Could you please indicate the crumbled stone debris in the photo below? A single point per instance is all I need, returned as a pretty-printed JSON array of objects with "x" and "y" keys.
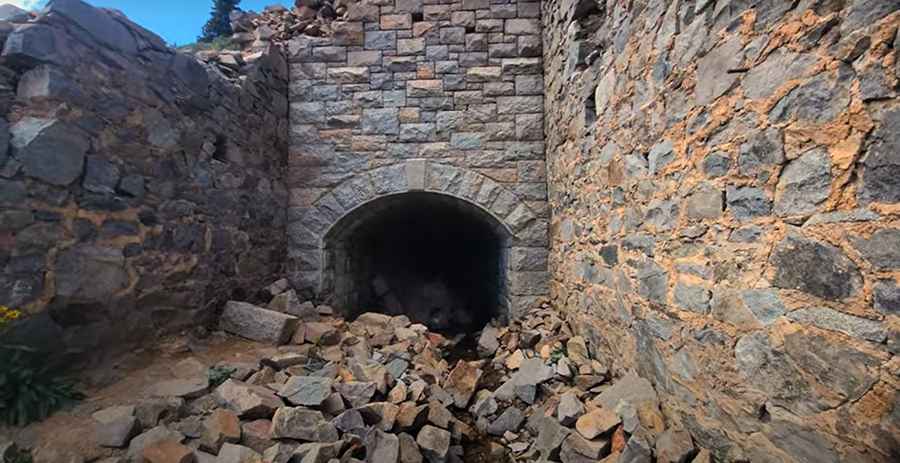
[{"x": 377, "y": 389}]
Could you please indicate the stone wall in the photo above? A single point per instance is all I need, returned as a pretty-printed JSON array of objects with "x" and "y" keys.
[
  {"x": 724, "y": 186},
  {"x": 419, "y": 96},
  {"x": 139, "y": 187}
]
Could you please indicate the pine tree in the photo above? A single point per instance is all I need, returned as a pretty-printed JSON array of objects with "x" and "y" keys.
[{"x": 219, "y": 24}]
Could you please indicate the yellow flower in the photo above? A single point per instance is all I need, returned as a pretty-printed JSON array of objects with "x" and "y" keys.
[{"x": 7, "y": 315}]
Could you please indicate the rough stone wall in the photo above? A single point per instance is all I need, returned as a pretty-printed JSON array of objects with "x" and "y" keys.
[
  {"x": 411, "y": 96},
  {"x": 725, "y": 181},
  {"x": 138, "y": 187}
]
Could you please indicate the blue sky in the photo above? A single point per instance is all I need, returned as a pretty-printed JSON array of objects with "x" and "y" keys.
[{"x": 176, "y": 21}]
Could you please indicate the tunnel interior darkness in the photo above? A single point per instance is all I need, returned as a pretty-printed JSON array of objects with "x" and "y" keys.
[{"x": 437, "y": 259}]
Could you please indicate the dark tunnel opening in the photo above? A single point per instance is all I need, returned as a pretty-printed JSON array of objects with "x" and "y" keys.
[{"x": 432, "y": 257}]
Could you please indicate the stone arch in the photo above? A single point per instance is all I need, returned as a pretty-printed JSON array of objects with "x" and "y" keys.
[{"x": 523, "y": 232}]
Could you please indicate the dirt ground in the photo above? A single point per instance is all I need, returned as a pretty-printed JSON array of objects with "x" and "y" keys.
[{"x": 123, "y": 380}]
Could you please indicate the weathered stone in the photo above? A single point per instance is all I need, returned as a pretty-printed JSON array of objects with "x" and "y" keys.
[
  {"x": 653, "y": 282},
  {"x": 380, "y": 414},
  {"x": 882, "y": 249},
  {"x": 761, "y": 152},
  {"x": 462, "y": 383},
  {"x": 381, "y": 121},
  {"x": 747, "y": 202},
  {"x": 99, "y": 24},
  {"x": 168, "y": 452},
  {"x": 306, "y": 390},
  {"x": 717, "y": 164},
  {"x": 523, "y": 26},
  {"x": 674, "y": 446},
  {"x": 829, "y": 319},
  {"x": 804, "y": 184},
  {"x": 90, "y": 273},
  {"x": 190, "y": 388},
  {"x": 817, "y": 101},
  {"x": 101, "y": 176},
  {"x": 881, "y": 163},
  {"x": 409, "y": 449},
  {"x": 837, "y": 276},
  {"x": 692, "y": 297},
  {"x": 232, "y": 453},
  {"x": 434, "y": 443},
  {"x": 660, "y": 156},
  {"x": 356, "y": 393},
  {"x": 713, "y": 78},
  {"x": 247, "y": 400},
  {"x": 382, "y": 447},
  {"x": 577, "y": 449},
  {"x": 779, "y": 67},
  {"x": 256, "y": 323},
  {"x": 151, "y": 437},
  {"x": 597, "y": 422},
  {"x": 488, "y": 341},
  {"x": 887, "y": 297},
  {"x": 302, "y": 424},
  {"x": 49, "y": 150},
  {"x": 116, "y": 426},
  {"x": 706, "y": 202},
  {"x": 569, "y": 409},
  {"x": 438, "y": 414},
  {"x": 380, "y": 40},
  {"x": 508, "y": 421}
]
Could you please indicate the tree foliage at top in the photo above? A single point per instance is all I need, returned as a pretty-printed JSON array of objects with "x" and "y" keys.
[{"x": 219, "y": 24}]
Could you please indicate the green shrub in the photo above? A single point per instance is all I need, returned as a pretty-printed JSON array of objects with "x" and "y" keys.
[
  {"x": 31, "y": 387},
  {"x": 219, "y": 374},
  {"x": 18, "y": 456}
]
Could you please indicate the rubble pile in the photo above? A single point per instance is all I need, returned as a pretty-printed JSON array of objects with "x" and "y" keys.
[
  {"x": 253, "y": 33},
  {"x": 277, "y": 23},
  {"x": 382, "y": 389}
]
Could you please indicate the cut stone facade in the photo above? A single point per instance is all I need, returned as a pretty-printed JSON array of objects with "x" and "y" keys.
[
  {"x": 724, "y": 186},
  {"x": 443, "y": 98}
]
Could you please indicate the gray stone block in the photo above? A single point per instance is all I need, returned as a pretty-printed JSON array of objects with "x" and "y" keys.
[
  {"x": 836, "y": 276},
  {"x": 252, "y": 322},
  {"x": 49, "y": 150}
]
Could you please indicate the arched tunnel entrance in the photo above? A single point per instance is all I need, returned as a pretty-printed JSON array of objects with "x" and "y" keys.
[{"x": 436, "y": 258}]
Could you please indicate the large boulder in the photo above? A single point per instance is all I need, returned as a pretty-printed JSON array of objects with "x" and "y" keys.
[{"x": 99, "y": 24}]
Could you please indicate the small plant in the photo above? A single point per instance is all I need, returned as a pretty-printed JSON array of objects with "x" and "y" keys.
[
  {"x": 30, "y": 386},
  {"x": 557, "y": 354},
  {"x": 219, "y": 374},
  {"x": 18, "y": 456}
]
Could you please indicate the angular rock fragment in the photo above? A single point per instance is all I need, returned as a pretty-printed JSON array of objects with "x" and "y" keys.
[
  {"x": 247, "y": 400},
  {"x": 309, "y": 391},
  {"x": 434, "y": 443},
  {"x": 597, "y": 423}
]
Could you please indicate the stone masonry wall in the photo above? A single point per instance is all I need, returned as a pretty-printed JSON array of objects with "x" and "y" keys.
[
  {"x": 725, "y": 181},
  {"x": 138, "y": 187},
  {"x": 416, "y": 95}
]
